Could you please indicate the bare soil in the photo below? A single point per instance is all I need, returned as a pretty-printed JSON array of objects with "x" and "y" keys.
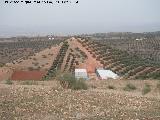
[{"x": 28, "y": 75}]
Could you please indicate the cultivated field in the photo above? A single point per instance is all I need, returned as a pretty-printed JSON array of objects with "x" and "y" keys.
[
  {"x": 144, "y": 45},
  {"x": 37, "y": 80},
  {"x": 14, "y": 48},
  {"x": 121, "y": 62}
]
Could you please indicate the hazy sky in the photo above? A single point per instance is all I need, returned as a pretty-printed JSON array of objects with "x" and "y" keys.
[{"x": 88, "y": 16}]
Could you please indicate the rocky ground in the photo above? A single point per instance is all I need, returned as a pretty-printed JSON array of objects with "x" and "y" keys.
[{"x": 48, "y": 101}]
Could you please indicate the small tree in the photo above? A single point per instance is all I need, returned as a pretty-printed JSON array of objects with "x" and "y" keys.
[
  {"x": 129, "y": 87},
  {"x": 9, "y": 82},
  {"x": 146, "y": 89},
  {"x": 67, "y": 80},
  {"x": 158, "y": 86},
  {"x": 111, "y": 87}
]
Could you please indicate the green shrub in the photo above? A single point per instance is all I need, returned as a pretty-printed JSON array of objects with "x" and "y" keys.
[
  {"x": 93, "y": 86},
  {"x": 111, "y": 87},
  {"x": 68, "y": 81},
  {"x": 30, "y": 68},
  {"x": 29, "y": 82},
  {"x": 141, "y": 77},
  {"x": 80, "y": 84},
  {"x": 45, "y": 78},
  {"x": 146, "y": 89},
  {"x": 44, "y": 56},
  {"x": 129, "y": 87},
  {"x": 9, "y": 82},
  {"x": 1, "y": 64},
  {"x": 158, "y": 86},
  {"x": 155, "y": 75}
]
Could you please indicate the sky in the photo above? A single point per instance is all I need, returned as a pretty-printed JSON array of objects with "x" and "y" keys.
[{"x": 87, "y": 16}]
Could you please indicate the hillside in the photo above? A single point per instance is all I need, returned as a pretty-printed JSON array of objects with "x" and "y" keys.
[
  {"x": 14, "y": 48},
  {"x": 86, "y": 54},
  {"x": 32, "y": 89}
]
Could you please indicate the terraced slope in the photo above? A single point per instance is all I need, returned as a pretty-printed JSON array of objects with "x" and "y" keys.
[
  {"x": 145, "y": 46},
  {"x": 78, "y": 53},
  {"x": 121, "y": 62},
  {"x": 13, "y": 50},
  {"x": 72, "y": 55}
]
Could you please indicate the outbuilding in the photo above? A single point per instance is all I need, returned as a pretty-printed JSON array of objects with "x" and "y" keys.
[
  {"x": 106, "y": 74},
  {"x": 81, "y": 73}
]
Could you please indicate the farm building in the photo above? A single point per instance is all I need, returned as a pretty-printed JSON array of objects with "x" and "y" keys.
[
  {"x": 105, "y": 74},
  {"x": 81, "y": 73}
]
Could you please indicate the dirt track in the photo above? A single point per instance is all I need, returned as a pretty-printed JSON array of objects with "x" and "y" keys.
[{"x": 90, "y": 63}]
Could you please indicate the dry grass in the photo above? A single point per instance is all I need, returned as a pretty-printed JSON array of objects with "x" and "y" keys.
[
  {"x": 48, "y": 100},
  {"x": 29, "y": 82}
]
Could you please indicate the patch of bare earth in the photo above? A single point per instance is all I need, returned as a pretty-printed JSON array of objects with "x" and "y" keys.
[{"x": 48, "y": 101}]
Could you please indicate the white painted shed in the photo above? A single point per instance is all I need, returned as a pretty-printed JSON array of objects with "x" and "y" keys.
[
  {"x": 105, "y": 74},
  {"x": 81, "y": 73}
]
